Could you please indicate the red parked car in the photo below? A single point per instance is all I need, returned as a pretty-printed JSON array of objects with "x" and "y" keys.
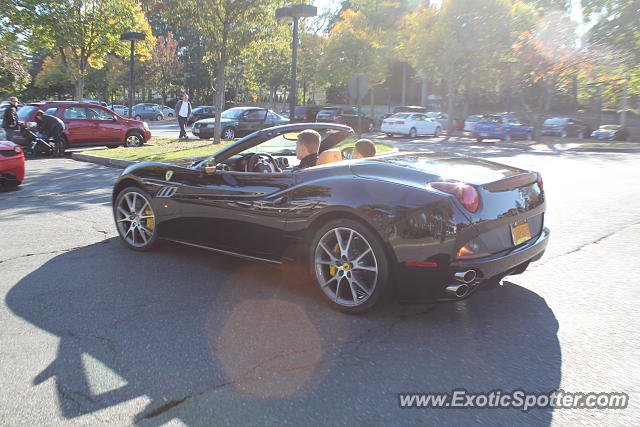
[
  {"x": 87, "y": 124},
  {"x": 11, "y": 164}
]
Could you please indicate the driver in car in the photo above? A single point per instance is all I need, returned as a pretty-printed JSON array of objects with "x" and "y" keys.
[{"x": 307, "y": 147}]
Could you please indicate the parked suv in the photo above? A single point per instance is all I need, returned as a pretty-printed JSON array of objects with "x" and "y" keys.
[
  {"x": 347, "y": 116},
  {"x": 564, "y": 127},
  {"x": 202, "y": 112},
  {"x": 87, "y": 125},
  {"x": 306, "y": 113},
  {"x": 147, "y": 111}
]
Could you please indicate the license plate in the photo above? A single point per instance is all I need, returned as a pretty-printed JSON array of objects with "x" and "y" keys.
[
  {"x": 520, "y": 232},
  {"x": 484, "y": 134}
]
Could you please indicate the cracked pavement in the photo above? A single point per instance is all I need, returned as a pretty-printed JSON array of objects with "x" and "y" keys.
[{"x": 95, "y": 334}]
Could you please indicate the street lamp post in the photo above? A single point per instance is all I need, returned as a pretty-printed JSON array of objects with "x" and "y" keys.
[
  {"x": 131, "y": 37},
  {"x": 295, "y": 12}
]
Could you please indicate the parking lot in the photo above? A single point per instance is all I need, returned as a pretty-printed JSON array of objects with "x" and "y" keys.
[{"x": 94, "y": 333}]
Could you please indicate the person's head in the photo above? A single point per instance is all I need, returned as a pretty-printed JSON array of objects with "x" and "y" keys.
[
  {"x": 363, "y": 148},
  {"x": 13, "y": 100},
  {"x": 308, "y": 143},
  {"x": 38, "y": 116},
  {"x": 185, "y": 97}
]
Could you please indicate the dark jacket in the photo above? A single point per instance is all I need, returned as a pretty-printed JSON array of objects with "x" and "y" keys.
[
  {"x": 309, "y": 161},
  {"x": 179, "y": 105},
  {"x": 10, "y": 117},
  {"x": 50, "y": 125}
]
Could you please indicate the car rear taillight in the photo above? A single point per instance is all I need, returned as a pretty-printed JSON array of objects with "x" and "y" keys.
[
  {"x": 17, "y": 150},
  {"x": 400, "y": 122},
  {"x": 466, "y": 194},
  {"x": 540, "y": 183},
  {"x": 336, "y": 117},
  {"x": 499, "y": 127},
  {"x": 305, "y": 117}
]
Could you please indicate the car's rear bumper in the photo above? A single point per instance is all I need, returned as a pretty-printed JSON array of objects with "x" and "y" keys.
[
  {"x": 506, "y": 262},
  {"x": 488, "y": 134},
  {"x": 393, "y": 129}
]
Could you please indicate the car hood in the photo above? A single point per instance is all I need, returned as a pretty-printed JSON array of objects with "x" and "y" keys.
[{"x": 438, "y": 166}]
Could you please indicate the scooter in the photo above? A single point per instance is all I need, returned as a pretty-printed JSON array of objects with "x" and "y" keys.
[{"x": 38, "y": 144}]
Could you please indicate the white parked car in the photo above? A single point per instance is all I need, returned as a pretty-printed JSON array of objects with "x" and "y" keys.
[
  {"x": 471, "y": 121},
  {"x": 168, "y": 111},
  {"x": 121, "y": 110},
  {"x": 439, "y": 116},
  {"x": 411, "y": 124}
]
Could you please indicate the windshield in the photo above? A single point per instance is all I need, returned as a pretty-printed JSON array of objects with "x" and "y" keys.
[
  {"x": 555, "y": 121},
  {"x": 400, "y": 116},
  {"x": 25, "y": 112},
  {"x": 277, "y": 147},
  {"x": 232, "y": 114}
]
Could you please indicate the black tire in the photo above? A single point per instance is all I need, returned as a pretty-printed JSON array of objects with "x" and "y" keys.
[
  {"x": 437, "y": 132},
  {"x": 580, "y": 134},
  {"x": 128, "y": 234},
  {"x": 133, "y": 140},
  {"x": 365, "y": 287},
  {"x": 170, "y": 115},
  {"x": 390, "y": 135},
  {"x": 138, "y": 117},
  {"x": 203, "y": 137},
  {"x": 112, "y": 146},
  {"x": 228, "y": 133},
  {"x": 507, "y": 137},
  {"x": 370, "y": 127},
  {"x": 563, "y": 134},
  {"x": 529, "y": 136},
  {"x": 479, "y": 140},
  {"x": 413, "y": 133},
  {"x": 158, "y": 117}
]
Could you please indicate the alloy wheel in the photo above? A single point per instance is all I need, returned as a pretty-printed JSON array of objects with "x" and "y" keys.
[
  {"x": 135, "y": 219},
  {"x": 228, "y": 134},
  {"x": 346, "y": 266},
  {"x": 133, "y": 140},
  {"x": 413, "y": 133}
]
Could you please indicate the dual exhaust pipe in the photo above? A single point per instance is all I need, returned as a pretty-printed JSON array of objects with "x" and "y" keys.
[{"x": 464, "y": 285}]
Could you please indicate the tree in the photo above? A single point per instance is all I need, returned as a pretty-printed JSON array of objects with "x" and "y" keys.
[
  {"x": 14, "y": 76},
  {"x": 269, "y": 63},
  {"x": 615, "y": 25},
  {"x": 228, "y": 28},
  {"x": 165, "y": 67},
  {"x": 53, "y": 77},
  {"x": 82, "y": 32},
  {"x": 353, "y": 48}
]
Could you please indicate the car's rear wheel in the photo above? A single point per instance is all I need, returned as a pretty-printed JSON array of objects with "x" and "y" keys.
[
  {"x": 135, "y": 219},
  {"x": 413, "y": 133},
  {"x": 390, "y": 135},
  {"x": 529, "y": 136},
  {"x": 133, "y": 140},
  {"x": 370, "y": 127},
  {"x": 580, "y": 134},
  {"x": 138, "y": 117},
  {"x": 479, "y": 140},
  {"x": 507, "y": 137},
  {"x": 563, "y": 134},
  {"x": 228, "y": 133},
  {"x": 158, "y": 117},
  {"x": 437, "y": 132},
  {"x": 350, "y": 265}
]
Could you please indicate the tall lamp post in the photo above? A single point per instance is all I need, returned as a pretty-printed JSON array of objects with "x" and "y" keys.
[
  {"x": 295, "y": 12},
  {"x": 132, "y": 37}
]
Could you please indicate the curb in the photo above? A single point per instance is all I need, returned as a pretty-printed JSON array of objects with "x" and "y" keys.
[
  {"x": 104, "y": 161},
  {"x": 604, "y": 150}
]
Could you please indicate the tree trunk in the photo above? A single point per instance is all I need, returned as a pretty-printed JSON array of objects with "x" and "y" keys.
[
  {"x": 219, "y": 100},
  {"x": 272, "y": 98},
  {"x": 451, "y": 98},
  {"x": 79, "y": 88},
  {"x": 424, "y": 100}
]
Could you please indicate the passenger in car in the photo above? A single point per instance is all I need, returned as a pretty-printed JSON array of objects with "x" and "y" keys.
[
  {"x": 307, "y": 147},
  {"x": 364, "y": 148}
]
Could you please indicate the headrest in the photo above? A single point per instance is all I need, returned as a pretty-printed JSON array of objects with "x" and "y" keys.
[{"x": 329, "y": 156}]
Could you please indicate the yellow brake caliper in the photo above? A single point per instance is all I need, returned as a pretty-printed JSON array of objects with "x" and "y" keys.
[
  {"x": 333, "y": 270},
  {"x": 150, "y": 222}
]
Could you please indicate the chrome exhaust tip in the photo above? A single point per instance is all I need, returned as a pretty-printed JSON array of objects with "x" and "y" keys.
[
  {"x": 457, "y": 291},
  {"x": 465, "y": 276}
]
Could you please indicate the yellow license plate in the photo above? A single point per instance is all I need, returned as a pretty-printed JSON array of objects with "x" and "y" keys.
[{"x": 520, "y": 232}]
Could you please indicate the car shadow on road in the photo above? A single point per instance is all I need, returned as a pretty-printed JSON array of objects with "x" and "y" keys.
[{"x": 208, "y": 339}]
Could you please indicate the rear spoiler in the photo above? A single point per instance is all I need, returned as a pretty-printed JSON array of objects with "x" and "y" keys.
[{"x": 512, "y": 182}]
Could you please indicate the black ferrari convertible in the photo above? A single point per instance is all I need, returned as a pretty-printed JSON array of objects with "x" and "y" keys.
[{"x": 453, "y": 222}]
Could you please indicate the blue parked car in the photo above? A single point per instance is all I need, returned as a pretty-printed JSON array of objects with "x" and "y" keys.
[{"x": 503, "y": 127}]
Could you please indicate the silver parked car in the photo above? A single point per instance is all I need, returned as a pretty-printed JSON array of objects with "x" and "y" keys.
[
  {"x": 119, "y": 109},
  {"x": 147, "y": 111}
]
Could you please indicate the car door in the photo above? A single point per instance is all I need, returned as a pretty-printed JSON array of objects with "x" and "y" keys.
[
  {"x": 109, "y": 127},
  {"x": 516, "y": 129},
  {"x": 78, "y": 128},
  {"x": 241, "y": 212},
  {"x": 251, "y": 121}
]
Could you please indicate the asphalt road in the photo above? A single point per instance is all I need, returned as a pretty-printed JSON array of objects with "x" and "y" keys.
[{"x": 95, "y": 334}]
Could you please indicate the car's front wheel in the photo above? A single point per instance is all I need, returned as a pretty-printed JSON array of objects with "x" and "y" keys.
[
  {"x": 138, "y": 117},
  {"x": 228, "y": 133},
  {"x": 133, "y": 140},
  {"x": 413, "y": 133},
  {"x": 135, "y": 219},
  {"x": 349, "y": 265},
  {"x": 437, "y": 132},
  {"x": 158, "y": 117}
]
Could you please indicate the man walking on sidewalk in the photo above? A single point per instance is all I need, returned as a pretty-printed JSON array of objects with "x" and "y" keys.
[{"x": 183, "y": 109}]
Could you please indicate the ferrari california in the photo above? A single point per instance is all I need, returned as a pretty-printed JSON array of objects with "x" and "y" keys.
[{"x": 453, "y": 222}]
